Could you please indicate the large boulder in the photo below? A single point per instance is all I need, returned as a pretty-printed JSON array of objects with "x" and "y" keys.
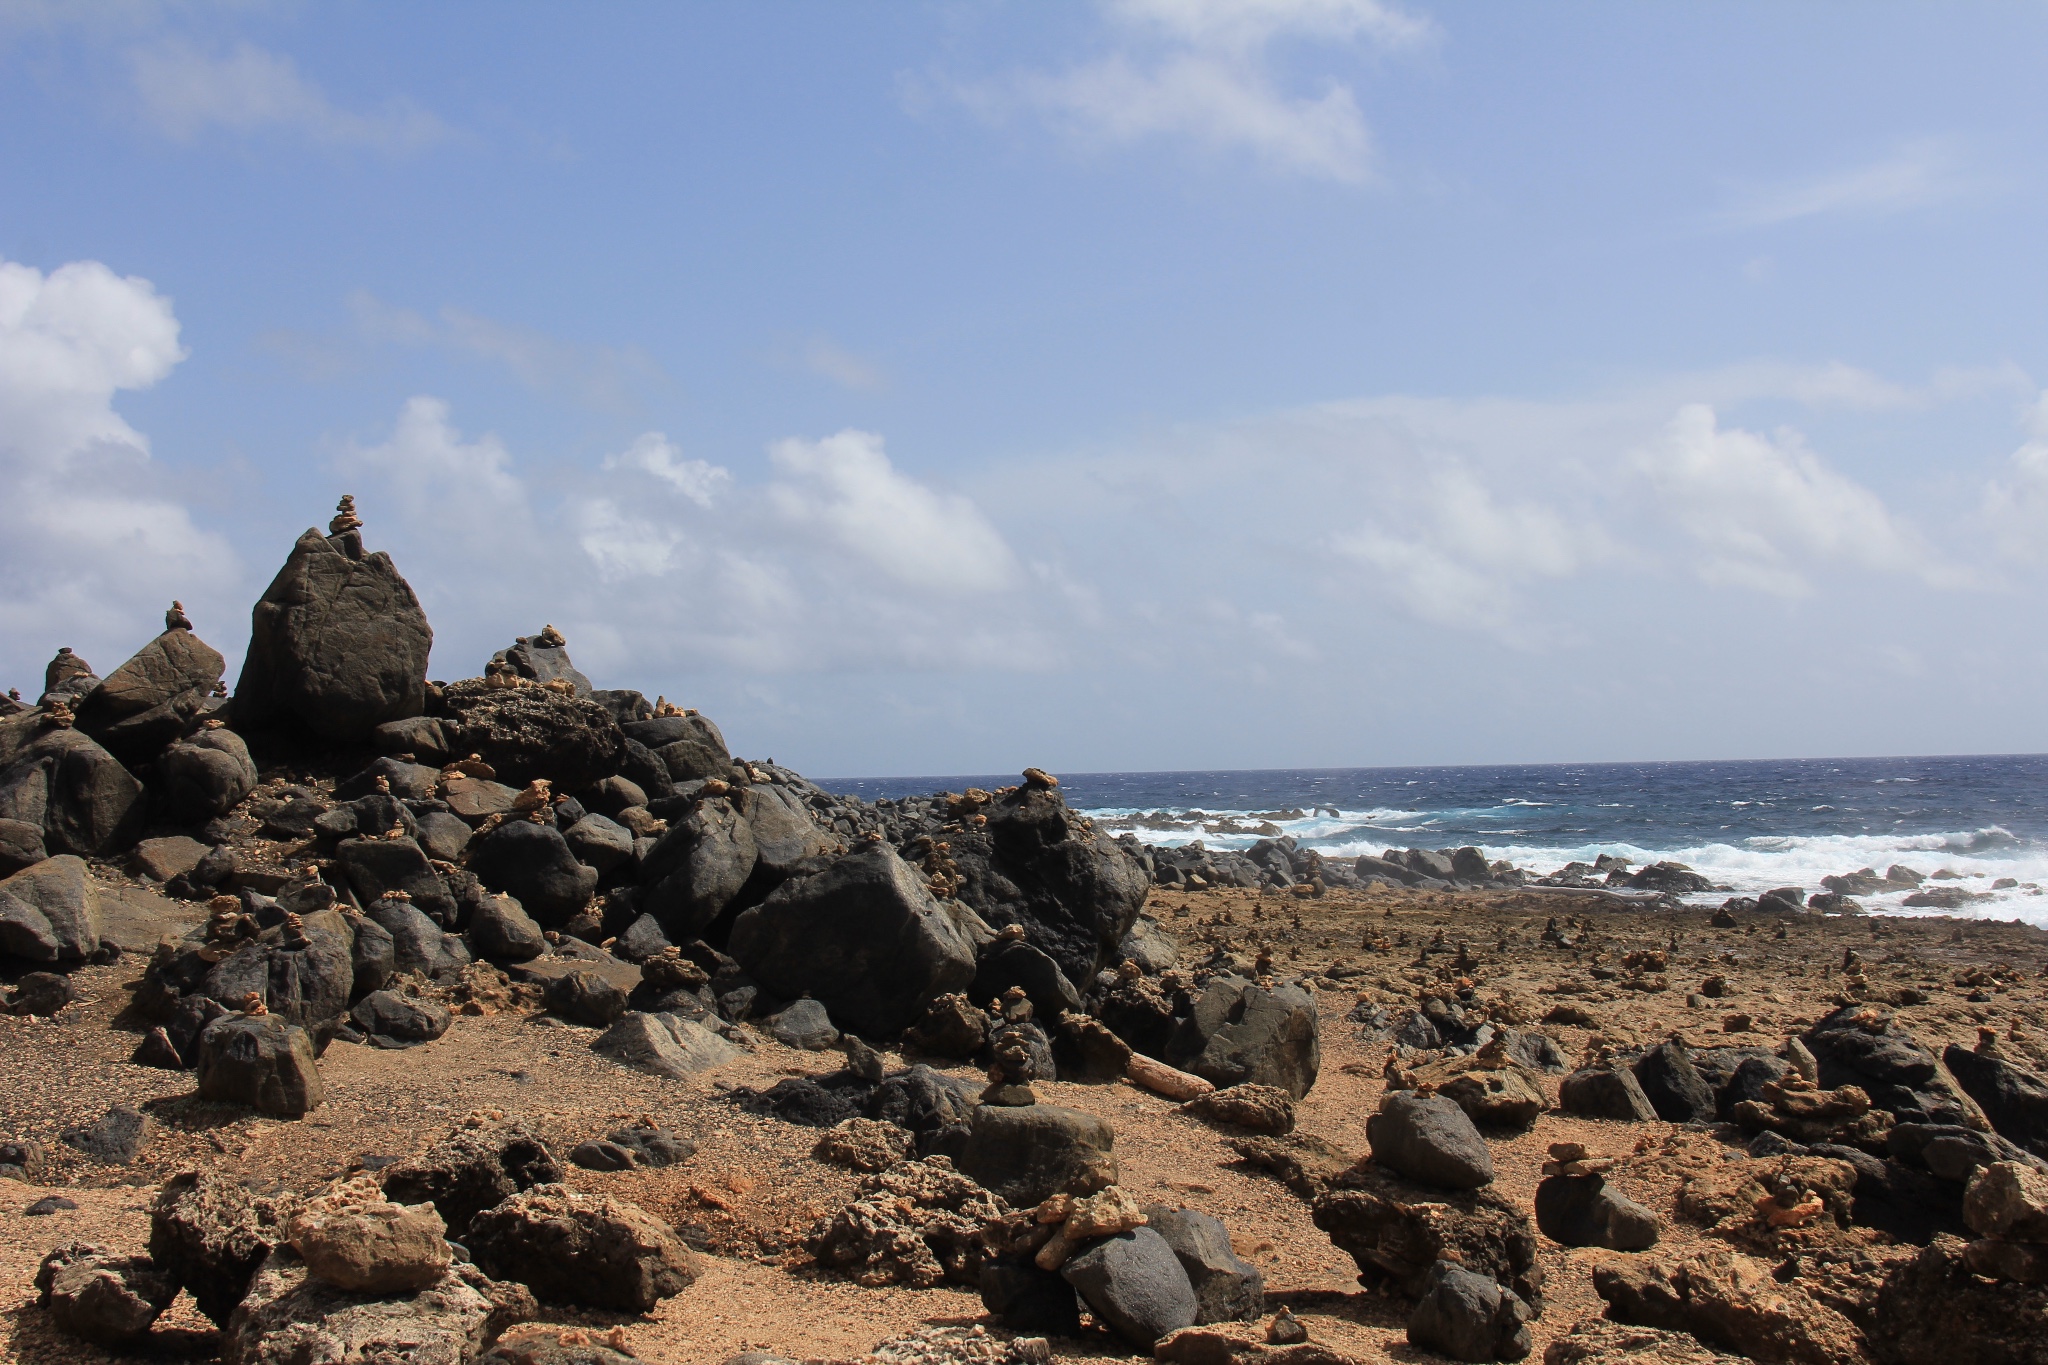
[
  {"x": 418, "y": 944},
  {"x": 2013, "y": 1098},
  {"x": 1605, "y": 1092},
  {"x": 785, "y": 836},
  {"x": 1136, "y": 1286},
  {"x": 590, "y": 1250},
  {"x": 1029, "y": 1153},
  {"x": 376, "y": 867},
  {"x": 534, "y": 865},
  {"x": 1240, "y": 1031},
  {"x": 1227, "y": 1289},
  {"x": 695, "y": 870},
  {"x": 1673, "y": 1085},
  {"x": 260, "y": 1061},
  {"x": 150, "y": 701},
  {"x": 303, "y": 978},
  {"x": 338, "y": 643},
  {"x": 864, "y": 937},
  {"x": 50, "y": 912},
  {"x": 354, "y": 1238},
  {"x": 206, "y": 775},
  {"x": 532, "y": 731},
  {"x": 502, "y": 932},
  {"x": 688, "y": 746},
  {"x": 58, "y": 780},
  {"x": 1585, "y": 1211},
  {"x": 292, "y": 1317},
  {"x": 1430, "y": 1140},
  {"x": 1036, "y": 863},
  {"x": 1469, "y": 1317}
]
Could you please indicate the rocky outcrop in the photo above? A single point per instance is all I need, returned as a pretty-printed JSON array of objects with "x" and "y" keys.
[
  {"x": 291, "y": 1317},
  {"x": 470, "y": 1170},
  {"x": 49, "y": 912},
  {"x": 338, "y": 643},
  {"x": 916, "y": 1223},
  {"x": 151, "y": 700},
  {"x": 212, "y": 1234},
  {"x": 532, "y": 731}
]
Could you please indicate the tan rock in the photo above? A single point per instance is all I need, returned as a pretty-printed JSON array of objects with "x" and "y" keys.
[
  {"x": 2007, "y": 1200},
  {"x": 354, "y": 1238}
]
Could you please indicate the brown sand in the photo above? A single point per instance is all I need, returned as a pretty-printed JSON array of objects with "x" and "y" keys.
[{"x": 755, "y": 1189}]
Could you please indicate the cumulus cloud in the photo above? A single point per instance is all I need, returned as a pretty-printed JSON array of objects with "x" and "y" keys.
[
  {"x": 1461, "y": 555},
  {"x": 2016, "y": 506},
  {"x": 187, "y": 90},
  {"x": 466, "y": 488},
  {"x": 653, "y": 453},
  {"x": 89, "y": 541},
  {"x": 845, "y": 488},
  {"x": 1764, "y": 508},
  {"x": 1204, "y": 71}
]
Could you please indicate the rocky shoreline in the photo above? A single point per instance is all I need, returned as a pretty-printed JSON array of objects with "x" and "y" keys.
[{"x": 359, "y": 1016}]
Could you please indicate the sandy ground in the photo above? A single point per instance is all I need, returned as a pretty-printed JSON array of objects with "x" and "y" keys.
[{"x": 755, "y": 1189}]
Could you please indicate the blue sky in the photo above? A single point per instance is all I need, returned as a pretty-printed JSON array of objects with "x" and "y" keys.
[{"x": 929, "y": 388}]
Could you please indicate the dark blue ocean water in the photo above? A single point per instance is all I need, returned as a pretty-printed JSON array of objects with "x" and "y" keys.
[{"x": 1752, "y": 825}]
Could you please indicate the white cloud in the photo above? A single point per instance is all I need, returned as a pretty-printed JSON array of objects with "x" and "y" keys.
[
  {"x": 653, "y": 453},
  {"x": 623, "y": 546},
  {"x": 1763, "y": 508},
  {"x": 187, "y": 90},
  {"x": 90, "y": 547},
  {"x": 1202, "y": 70},
  {"x": 2016, "y": 506},
  {"x": 845, "y": 487},
  {"x": 1920, "y": 172},
  {"x": 1461, "y": 556},
  {"x": 602, "y": 377},
  {"x": 467, "y": 488}
]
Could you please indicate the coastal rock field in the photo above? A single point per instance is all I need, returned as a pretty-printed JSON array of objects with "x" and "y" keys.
[{"x": 356, "y": 1016}]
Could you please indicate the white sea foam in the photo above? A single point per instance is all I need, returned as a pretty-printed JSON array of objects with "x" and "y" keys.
[{"x": 1746, "y": 867}]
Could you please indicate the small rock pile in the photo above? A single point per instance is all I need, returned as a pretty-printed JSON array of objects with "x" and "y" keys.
[{"x": 1577, "y": 1207}]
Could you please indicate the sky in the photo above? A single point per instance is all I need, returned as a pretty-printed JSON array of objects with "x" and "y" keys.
[{"x": 931, "y": 388}]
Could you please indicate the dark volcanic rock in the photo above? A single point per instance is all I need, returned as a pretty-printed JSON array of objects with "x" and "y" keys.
[
  {"x": 70, "y": 788},
  {"x": 115, "y": 1140},
  {"x": 50, "y": 912},
  {"x": 150, "y": 701},
  {"x": 689, "y": 747},
  {"x": 2012, "y": 1097},
  {"x": 533, "y": 864},
  {"x": 375, "y": 866},
  {"x": 1584, "y": 1211},
  {"x": 696, "y": 869},
  {"x": 1429, "y": 1139},
  {"x": 1863, "y": 1045},
  {"x": 1469, "y": 1317},
  {"x": 864, "y": 937},
  {"x": 260, "y": 1061},
  {"x": 1226, "y": 1288},
  {"x": 1241, "y": 1032},
  {"x": 206, "y": 775},
  {"x": 337, "y": 644},
  {"x": 529, "y": 732},
  {"x": 501, "y": 931},
  {"x": 1076, "y": 891},
  {"x": 1030, "y": 1153},
  {"x": 1135, "y": 1284},
  {"x": 392, "y": 1019},
  {"x": 1602, "y": 1092},
  {"x": 1673, "y": 1085}
]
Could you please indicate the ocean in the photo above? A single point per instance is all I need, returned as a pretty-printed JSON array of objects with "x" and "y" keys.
[{"x": 1750, "y": 825}]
